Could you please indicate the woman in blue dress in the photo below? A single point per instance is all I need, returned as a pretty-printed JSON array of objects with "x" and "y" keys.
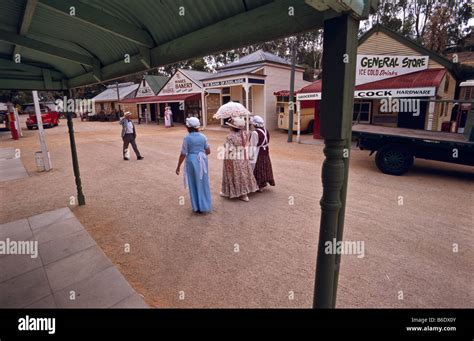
[{"x": 195, "y": 150}]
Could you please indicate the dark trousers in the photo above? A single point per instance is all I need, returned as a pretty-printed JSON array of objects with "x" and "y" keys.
[{"x": 130, "y": 139}]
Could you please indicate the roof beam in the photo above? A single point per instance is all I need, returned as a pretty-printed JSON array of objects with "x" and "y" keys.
[
  {"x": 40, "y": 46},
  {"x": 101, "y": 20},
  {"x": 208, "y": 40},
  {"x": 48, "y": 81},
  {"x": 17, "y": 84},
  {"x": 203, "y": 42},
  {"x": 145, "y": 57},
  {"x": 36, "y": 70},
  {"x": 25, "y": 22},
  {"x": 109, "y": 72}
]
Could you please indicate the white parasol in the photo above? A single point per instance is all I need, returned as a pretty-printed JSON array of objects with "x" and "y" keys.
[{"x": 231, "y": 109}]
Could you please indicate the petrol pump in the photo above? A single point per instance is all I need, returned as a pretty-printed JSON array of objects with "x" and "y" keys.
[{"x": 13, "y": 126}]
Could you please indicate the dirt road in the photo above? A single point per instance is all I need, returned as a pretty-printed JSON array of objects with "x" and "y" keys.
[{"x": 408, "y": 224}]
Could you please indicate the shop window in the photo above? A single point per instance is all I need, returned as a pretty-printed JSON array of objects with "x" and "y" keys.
[
  {"x": 446, "y": 84},
  {"x": 225, "y": 99},
  {"x": 361, "y": 112},
  {"x": 226, "y": 91},
  {"x": 468, "y": 93}
]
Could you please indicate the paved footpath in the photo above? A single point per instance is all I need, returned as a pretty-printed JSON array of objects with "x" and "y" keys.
[
  {"x": 70, "y": 270},
  {"x": 11, "y": 167}
]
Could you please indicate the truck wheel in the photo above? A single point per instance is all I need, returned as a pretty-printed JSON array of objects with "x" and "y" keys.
[
  {"x": 394, "y": 159},
  {"x": 310, "y": 128}
]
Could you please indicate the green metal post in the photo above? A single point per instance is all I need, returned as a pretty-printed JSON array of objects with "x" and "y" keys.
[
  {"x": 75, "y": 163},
  {"x": 339, "y": 60}
]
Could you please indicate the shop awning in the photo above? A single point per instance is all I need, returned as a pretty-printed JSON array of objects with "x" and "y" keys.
[
  {"x": 161, "y": 99},
  {"x": 418, "y": 84}
]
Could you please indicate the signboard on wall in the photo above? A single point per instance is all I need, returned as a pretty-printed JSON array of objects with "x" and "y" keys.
[
  {"x": 378, "y": 93},
  {"x": 144, "y": 90},
  {"x": 226, "y": 82},
  {"x": 385, "y": 93},
  {"x": 372, "y": 68},
  {"x": 179, "y": 84},
  {"x": 308, "y": 96}
]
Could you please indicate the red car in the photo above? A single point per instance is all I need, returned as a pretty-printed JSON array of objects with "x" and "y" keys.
[{"x": 49, "y": 116}]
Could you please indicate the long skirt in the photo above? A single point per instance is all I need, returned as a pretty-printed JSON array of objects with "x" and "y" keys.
[
  {"x": 167, "y": 121},
  {"x": 263, "y": 169},
  {"x": 199, "y": 189},
  {"x": 237, "y": 178}
]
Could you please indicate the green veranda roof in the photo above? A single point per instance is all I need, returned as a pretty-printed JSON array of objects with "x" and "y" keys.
[{"x": 60, "y": 44}]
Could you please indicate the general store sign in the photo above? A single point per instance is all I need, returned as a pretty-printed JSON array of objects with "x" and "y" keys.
[
  {"x": 371, "y": 68},
  {"x": 179, "y": 84}
]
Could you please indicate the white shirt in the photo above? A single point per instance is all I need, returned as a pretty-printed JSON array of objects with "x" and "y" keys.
[{"x": 129, "y": 129}]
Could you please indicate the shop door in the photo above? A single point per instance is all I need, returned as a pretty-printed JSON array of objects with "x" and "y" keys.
[
  {"x": 412, "y": 121},
  {"x": 178, "y": 115},
  {"x": 153, "y": 112}
]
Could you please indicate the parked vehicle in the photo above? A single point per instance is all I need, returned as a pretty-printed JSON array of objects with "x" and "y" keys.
[
  {"x": 3, "y": 115},
  {"x": 49, "y": 116},
  {"x": 397, "y": 148},
  {"x": 307, "y": 116}
]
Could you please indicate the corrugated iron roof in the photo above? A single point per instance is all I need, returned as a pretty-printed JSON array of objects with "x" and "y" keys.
[
  {"x": 156, "y": 82},
  {"x": 259, "y": 56},
  {"x": 107, "y": 39},
  {"x": 425, "y": 78},
  {"x": 233, "y": 72},
  {"x": 195, "y": 76},
  {"x": 110, "y": 94}
]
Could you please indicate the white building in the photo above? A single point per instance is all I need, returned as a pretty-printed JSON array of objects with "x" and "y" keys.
[{"x": 252, "y": 80}]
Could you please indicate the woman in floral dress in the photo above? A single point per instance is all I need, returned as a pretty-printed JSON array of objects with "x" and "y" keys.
[{"x": 237, "y": 176}]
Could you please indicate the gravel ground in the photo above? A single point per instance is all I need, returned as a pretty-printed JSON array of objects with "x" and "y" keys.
[{"x": 181, "y": 259}]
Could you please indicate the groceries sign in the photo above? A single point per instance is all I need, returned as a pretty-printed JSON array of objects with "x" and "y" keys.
[{"x": 371, "y": 68}]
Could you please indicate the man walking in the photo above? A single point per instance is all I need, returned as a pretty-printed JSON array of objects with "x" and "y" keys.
[{"x": 129, "y": 135}]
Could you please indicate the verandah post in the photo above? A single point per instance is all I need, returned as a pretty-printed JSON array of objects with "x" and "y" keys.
[{"x": 338, "y": 79}]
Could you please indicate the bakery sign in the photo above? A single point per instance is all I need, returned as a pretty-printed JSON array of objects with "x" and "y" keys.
[
  {"x": 179, "y": 84},
  {"x": 372, "y": 68}
]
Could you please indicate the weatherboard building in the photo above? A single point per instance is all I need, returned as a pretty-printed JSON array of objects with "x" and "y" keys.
[{"x": 397, "y": 84}]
